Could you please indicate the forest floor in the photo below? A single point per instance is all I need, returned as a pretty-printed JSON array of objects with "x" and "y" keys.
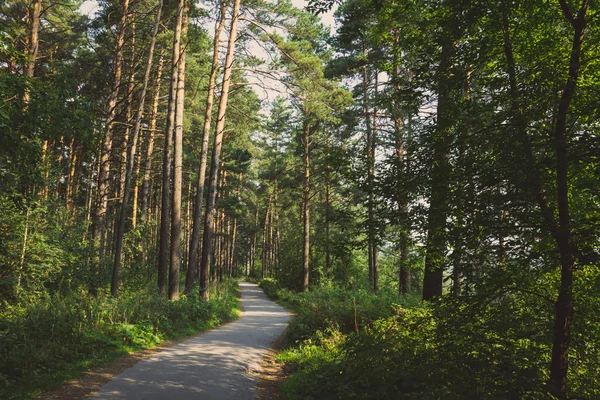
[{"x": 226, "y": 362}]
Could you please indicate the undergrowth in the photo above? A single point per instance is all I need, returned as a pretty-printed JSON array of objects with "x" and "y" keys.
[
  {"x": 55, "y": 339},
  {"x": 357, "y": 345}
]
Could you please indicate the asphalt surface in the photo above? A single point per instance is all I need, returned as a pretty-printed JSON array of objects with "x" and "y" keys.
[{"x": 218, "y": 364}]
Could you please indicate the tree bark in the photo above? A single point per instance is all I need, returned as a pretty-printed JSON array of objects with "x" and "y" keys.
[
  {"x": 560, "y": 230},
  {"x": 99, "y": 221},
  {"x": 265, "y": 246},
  {"x": 116, "y": 270},
  {"x": 34, "y": 43},
  {"x": 165, "y": 211},
  {"x": 440, "y": 172},
  {"x": 197, "y": 225},
  {"x": 175, "y": 264},
  {"x": 369, "y": 177},
  {"x": 306, "y": 206},
  {"x": 130, "y": 86},
  {"x": 216, "y": 155},
  {"x": 150, "y": 146}
]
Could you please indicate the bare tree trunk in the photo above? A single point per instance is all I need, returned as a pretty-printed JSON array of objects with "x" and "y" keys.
[
  {"x": 306, "y": 206},
  {"x": 24, "y": 248},
  {"x": 165, "y": 211},
  {"x": 561, "y": 229},
  {"x": 216, "y": 155},
  {"x": 34, "y": 43},
  {"x": 253, "y": 245},
  {"x": 131, "y": 160},
  {"x": 45, "y": 167},
  {"x": 195, "y": 237},
  {"x": 436, "y": 224},
  {"x": 150, "y": 147},
  {"x": 130, "y": 86},
  {"x": 99, "y": 221},
  {"x": 178, "y": 169},
  {"x": 232, "y": 247},
  {"x": 372, "y": 144},
  {"x": 265, "y": 246},
  {"x": 73, "y": 161},
  {"x": 368, "y": 128},
  {"x": 275, "y": 222}
]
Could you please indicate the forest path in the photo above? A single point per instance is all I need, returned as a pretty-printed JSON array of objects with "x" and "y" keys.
[{"x": 218, "y": 364}]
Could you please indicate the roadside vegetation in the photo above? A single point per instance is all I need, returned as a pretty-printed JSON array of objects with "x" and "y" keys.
[
  {"x": 355, "y": 344},
  {"x": 58, "y": 338}
]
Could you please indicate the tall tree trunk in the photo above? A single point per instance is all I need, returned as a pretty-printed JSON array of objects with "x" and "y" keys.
[
  {"x": 197, "y": 226},
  {"x": 328, "y": 211},
  {"x": 275, "y": 225},
  {"x": 253, "y": 245},
  {"x": 99, "y": 221},
  {"x": 116, "y": 270},
  {"x": 306, "y": 205},
  {"x": 232, "y": 247},
  {"x": 130, "y": 86},
  {"x": 564, "y": 240},
  {"x": 369, "y": 177},
  {"x": 178, "y": 168},
  {"x": 404, "y": 275},
  {"x": 34, "y": 42},
  {"x": 73, "y": 160},
  {"x": 372, "y": 144},
  {"x": 440, "y": 173},
  {"x": 560, "y": 230},
  {"x": 265, "y": 246},
  {"x": 150, "y": 146},
  {"x": 216, "y": 155},
  {"x": 165, "y": 211}
]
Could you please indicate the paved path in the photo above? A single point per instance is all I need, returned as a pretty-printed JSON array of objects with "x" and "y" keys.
[{"x": 215, "y": 365}]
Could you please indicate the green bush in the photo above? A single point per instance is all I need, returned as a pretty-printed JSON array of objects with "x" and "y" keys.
[
  {"x": 494, "y": 347},
  {"x": 341, "y": 309}
]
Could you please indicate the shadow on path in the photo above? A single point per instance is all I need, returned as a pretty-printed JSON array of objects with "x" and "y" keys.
[{"x": 214, "y": 365}]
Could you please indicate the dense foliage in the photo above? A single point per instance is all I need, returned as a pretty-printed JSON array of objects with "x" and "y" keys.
[{"x": 353, "y": 344}]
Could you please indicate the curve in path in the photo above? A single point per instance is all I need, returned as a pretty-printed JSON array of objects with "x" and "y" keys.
[{"x": 216, "y": 365}]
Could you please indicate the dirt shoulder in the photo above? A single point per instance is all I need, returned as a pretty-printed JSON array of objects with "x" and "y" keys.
[{"x": 272, "y": 372}]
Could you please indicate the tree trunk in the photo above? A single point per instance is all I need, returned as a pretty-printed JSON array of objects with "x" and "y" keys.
[
  {"x": 197, "y": 225},
  {"x": 99, "y": 221},
  {"x": 265, "y": 246},
  {"x": 130, "y": 87},
  {"x": 369, "y": 177},
  {"x": 560, "y": 230},
  {"x": 34, "y": 42},
  {"x": 253, "y": 245},
  {"x": 116, "y": 270},
  {"x": 178, "y": 168},
  {"x": 216, "y": 155},
  {"x": 165, "y": 211},
  {"x": 371, "y": 142},
  {"x": 73, "y": 160},
  {"x": 150, "y": 146},
  {"x": 440, "y": 173},
  {"x": 565, "y": 302},
  {"x": 306, "y": 206}
]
